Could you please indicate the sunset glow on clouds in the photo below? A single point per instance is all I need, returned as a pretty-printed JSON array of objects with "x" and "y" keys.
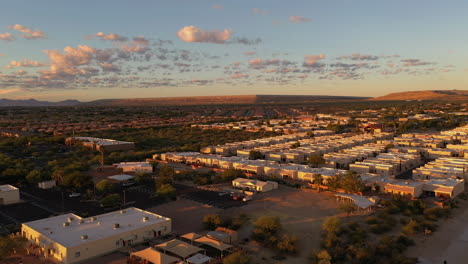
[{"x": 211, "y": 47}]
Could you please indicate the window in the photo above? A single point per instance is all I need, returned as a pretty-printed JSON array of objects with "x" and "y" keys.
[
  {"x": 77, "y": 254},
  {"x": 117, "y": 243}
]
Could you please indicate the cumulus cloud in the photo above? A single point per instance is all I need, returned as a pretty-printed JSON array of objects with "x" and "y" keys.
[
  {"x": 110, "y": 36},
  {"x": 414, "y": 62},
  {"x": 358, "y": 56},
  {"x": 299, "y": 19},
  {"x": 28, "y": 33},
  {"x": 194, "y": 34},
  {"x": 67, "y": 64},
  {"x": 26, "y": 63},
  {"x": 311, "y": 60},
  {"x": 7, "y": 36}
]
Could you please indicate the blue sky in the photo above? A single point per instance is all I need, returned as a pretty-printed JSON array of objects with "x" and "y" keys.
[{"x": 197, "y": 47}]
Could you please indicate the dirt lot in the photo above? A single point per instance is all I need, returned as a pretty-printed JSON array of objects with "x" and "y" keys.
[
  {"x": 301, "y": 212},
  {"x": 449, "y": 242}
]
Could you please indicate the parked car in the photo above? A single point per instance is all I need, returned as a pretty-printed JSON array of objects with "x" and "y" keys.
[
  {"x": 222, "y": 193},
  {"x": 238, "y": 197},
  {"x": 247, "y": 198},
  {"x": 74, "y": 194}
]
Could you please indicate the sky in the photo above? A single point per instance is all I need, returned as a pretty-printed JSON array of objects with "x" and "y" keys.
[{"x": 87, "y": 50}]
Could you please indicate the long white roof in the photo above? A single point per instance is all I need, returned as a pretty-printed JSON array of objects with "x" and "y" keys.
[{"x": 53, "y": 228}]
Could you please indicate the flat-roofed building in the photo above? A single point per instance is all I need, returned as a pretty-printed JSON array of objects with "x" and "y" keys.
[
  {"x": 135, "y": 167},
  {"x": 411, "y": 188},
  {"x": 70, "y": 238},
  {"x": 254, "y": 185},
  {"x": 444, "y": 187},
  {"x": 9, "y": 194}
]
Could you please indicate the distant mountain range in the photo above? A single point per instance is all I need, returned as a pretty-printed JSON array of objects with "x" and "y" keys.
[
  {"x": 34, "y": 102},
  {"x": 434, "y": 95}
]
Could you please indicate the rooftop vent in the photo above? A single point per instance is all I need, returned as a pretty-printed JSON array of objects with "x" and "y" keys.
[
  {"x": 93, "y": 219},
  {"x": 70, "y": 219},
  {"x": 116, "y": 226},
  {"x": 122, "y": 211},
  {"x": 81, "y": 221},
  {"x": 66, "y": 224},
  {"x": 145, "y": 218},
  {"x": 84, "y": 237}
]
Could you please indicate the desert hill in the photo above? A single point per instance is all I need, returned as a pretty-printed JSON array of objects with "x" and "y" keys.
[{"x": 429, "y": 95}]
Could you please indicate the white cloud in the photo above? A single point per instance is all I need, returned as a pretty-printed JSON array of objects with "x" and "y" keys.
[
  {"x": 28, "y": 33},
  {"x": 194, "y": 34},
  {"x": 7, "y": 36},
  {"x": 26, "y": 63}
]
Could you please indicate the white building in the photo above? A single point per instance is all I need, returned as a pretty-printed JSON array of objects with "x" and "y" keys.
[
  {"x": 9, "y": 194},
  {"x": 254, "y": 185},
  {"x": 70, "y": 239},
  {"x": 135, "y": 167}
]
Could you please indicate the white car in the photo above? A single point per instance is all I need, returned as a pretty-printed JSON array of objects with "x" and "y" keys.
[
  {"x": 247, "y": 198},
  {"x": 129, "y": 183},
  {"x": 74, "y": 194},
  {"x": 222, "y": 193}
]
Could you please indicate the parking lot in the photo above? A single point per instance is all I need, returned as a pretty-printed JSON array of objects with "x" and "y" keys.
[{"x": 208, "y": 197}]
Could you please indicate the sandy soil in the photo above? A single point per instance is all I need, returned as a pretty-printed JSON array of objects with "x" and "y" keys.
[
  {"x": 301, "y": 212},
  {"x": 449, "y": 242}
]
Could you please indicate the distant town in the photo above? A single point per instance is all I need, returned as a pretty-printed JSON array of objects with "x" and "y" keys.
[{"x": 348, "y": 181}]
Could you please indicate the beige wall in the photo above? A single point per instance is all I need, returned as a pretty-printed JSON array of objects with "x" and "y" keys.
[
  {"x": 99, "y": 247},
  {"x": 9, "y": 197}
]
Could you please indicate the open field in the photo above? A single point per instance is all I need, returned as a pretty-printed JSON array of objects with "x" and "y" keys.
[
  {"x": 301, "y": 212},
  {"x": 449, "y": 242}
]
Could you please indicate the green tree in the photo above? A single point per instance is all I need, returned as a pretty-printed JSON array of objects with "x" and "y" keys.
[
  {"x": 9, "y": 243},
  {"x": 347, "y": 208},
  {"x": 231, "y": 174},
  {"x": 212, "y": 221},
  {"x": 143, "y": 178},
  {"x": 287, "y": 244},
  {"x": 76, "y": 180},
  {"x": 253, "y": 155},
  {"x": 104, "y": 187},
  {"x": 166, "y": 191},
  {"x": 324, "y": 257},
  {"x": 165, "y": 171},
  {"x": 35, "y": 176},
  {"x": 111, "y": 200},
  {"x": 352, "y": 183},
  {"x": 266, "y": 229},
  {"x": 315, "y": 160},
  {"x": 238, "y": 257},
  {"x": 318, "y": 179}
]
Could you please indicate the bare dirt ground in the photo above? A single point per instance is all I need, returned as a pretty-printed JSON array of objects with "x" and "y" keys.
[
  {"x": 449, "y": 242},
  {"x": 187, "y": 216},
  {"x": 301, "y": 211}
]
